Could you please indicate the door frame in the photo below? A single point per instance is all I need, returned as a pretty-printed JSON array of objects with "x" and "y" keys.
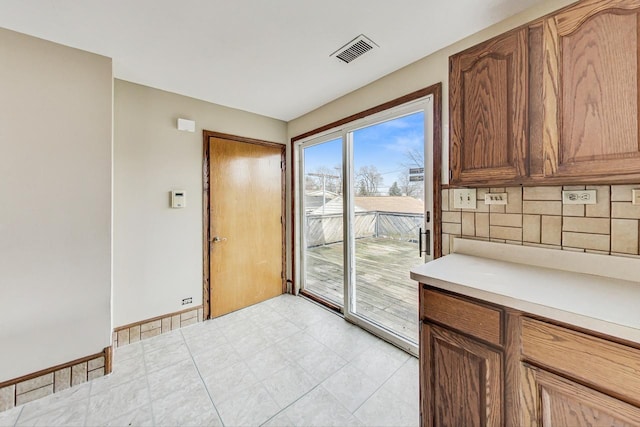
[
  {"x": 436, "y": 92},
  {"x": 206, "y": 206}
]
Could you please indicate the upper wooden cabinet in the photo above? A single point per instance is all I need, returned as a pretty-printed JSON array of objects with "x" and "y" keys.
[
  {"x": 488, "y": 111},
  {"x": 590, "y": 97},
  {"x": 555, "y": 101}
]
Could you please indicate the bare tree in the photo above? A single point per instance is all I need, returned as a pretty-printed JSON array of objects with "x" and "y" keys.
[
  {"x": 323, "y": 177},
  {"x": 413, "y": 159},
  {"x": 368, "y": 180},
  {"x": 408, "y": 188}
]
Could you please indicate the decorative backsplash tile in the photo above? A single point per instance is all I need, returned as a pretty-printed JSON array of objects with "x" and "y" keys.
[
  {"x": 536, "y": 216},
  {"x": 53, "y": 380},
  {"x": 151, "y": 327}
]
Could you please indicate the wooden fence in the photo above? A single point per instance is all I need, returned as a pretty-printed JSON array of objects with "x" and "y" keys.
[{"x": 325, "y": 229}]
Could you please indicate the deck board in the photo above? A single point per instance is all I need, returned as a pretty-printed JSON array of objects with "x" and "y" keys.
[{"x": 385, "y": 293}]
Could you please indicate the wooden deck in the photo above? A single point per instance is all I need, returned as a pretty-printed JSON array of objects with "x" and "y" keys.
[{"x": 384, "y": 292}]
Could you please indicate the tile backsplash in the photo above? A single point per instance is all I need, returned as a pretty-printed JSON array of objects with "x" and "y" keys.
[{"x": 536, "y": 216}]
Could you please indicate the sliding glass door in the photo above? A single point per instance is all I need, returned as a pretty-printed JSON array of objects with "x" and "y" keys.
[
  {"x": 322, "y": 220},
  {"x": 388, "y": 208},
  {"x": 362, "y": 206}
]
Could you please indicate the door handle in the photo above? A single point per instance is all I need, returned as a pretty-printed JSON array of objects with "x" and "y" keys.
[
  {"x": 427, "y": 234},
  {"x": 217, "y": 239}
]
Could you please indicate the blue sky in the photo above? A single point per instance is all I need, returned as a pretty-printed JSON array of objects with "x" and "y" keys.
[{"x": 383, "y": 145}]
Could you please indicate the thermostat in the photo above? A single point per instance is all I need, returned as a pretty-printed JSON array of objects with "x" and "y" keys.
[{"x": 178, "y": 199}]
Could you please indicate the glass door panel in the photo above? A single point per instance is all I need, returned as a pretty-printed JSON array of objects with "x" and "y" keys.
[
  {"x": 388, "y": 206},
  {"x": 323, "y": 231}
]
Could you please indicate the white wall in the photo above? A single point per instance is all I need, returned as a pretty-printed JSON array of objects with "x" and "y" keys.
[
  {"x": 158, "y": 250},
  {"x": 55, "y": 212}
]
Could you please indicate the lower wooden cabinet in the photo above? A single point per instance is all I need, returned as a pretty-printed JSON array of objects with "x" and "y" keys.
[
  {"x": 487, "y": 365},
  {"x": 464, "y": 379},
  {"x": 558, "y": 401}
]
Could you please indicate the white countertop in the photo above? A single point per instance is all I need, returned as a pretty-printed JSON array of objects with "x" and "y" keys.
[{"x": 603, "y": 304}]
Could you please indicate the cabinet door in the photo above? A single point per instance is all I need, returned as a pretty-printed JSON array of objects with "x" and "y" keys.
[
  {"x": 488, "y": 111},
  {"x": 462, "y": 380},
  {"x": 590, "y": 90},
  {"x": 561, "y": 402}
]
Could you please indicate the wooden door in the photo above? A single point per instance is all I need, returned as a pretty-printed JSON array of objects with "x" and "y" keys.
[
  {"x": 562, "y": 402},
  {"x": 591, "y": 57},
  {"x": 488, "y": 109},
  {"x": 462, "y": 380},
  {"x": 245, "y": 224}
]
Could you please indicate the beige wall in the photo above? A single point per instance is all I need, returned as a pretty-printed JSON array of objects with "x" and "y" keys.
[
  {"x": 425, "y": 72},
  {"x": 55, "y": 216},
  {"x": 158, "y": 250}
]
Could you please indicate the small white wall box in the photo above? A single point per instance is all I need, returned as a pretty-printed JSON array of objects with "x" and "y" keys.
[
  {"x": 186, "y": 125},
  {"x": 178, "y": 199}
]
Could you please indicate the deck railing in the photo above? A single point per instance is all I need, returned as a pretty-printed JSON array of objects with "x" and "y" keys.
[{"x": 326, "y": 229}]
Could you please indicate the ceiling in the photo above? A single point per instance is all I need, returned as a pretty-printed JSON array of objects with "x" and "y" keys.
[{"x": 269, "y": 57}]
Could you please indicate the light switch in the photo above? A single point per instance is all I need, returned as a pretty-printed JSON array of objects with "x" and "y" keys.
[
  {"x": 464, "y": 198},
  {"x": 178, "y": 199},
  {"x": 495, "y": 199}
]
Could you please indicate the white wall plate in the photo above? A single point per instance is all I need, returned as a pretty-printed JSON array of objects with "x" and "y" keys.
[
  {"x": 495, "y": 199},
  {"x": 579, "y": 197},
  {"x": 464, "y": 198}
]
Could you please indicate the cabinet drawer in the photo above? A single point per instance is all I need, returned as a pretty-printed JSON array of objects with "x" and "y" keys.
[
  {"x": 478, "y": 320},
  {"x": 607, "y": 366}
]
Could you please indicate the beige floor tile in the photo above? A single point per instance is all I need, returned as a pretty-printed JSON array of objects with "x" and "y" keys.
[{"x": 161, "y": 382}]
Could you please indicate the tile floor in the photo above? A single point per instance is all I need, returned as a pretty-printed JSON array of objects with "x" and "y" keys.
[{"x": 254, "y": 367}]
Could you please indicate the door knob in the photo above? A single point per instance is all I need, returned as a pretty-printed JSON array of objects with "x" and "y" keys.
[{"x": 217, "y": 239}]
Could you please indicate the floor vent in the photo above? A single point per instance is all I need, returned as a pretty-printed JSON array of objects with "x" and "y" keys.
[{"x": 354, "y": 49}]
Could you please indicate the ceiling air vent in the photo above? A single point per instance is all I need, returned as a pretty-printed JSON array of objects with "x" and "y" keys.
[{"x": 355, "y": 48}]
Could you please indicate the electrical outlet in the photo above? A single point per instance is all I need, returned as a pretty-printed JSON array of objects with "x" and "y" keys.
[
  {"x": 579, "y": 197},
  {"x": 186, "y": 301},
  {"x": 464, "y": 198},
  {"x": 495, "y": 199},
  {"x": 635, "y": 196}
]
